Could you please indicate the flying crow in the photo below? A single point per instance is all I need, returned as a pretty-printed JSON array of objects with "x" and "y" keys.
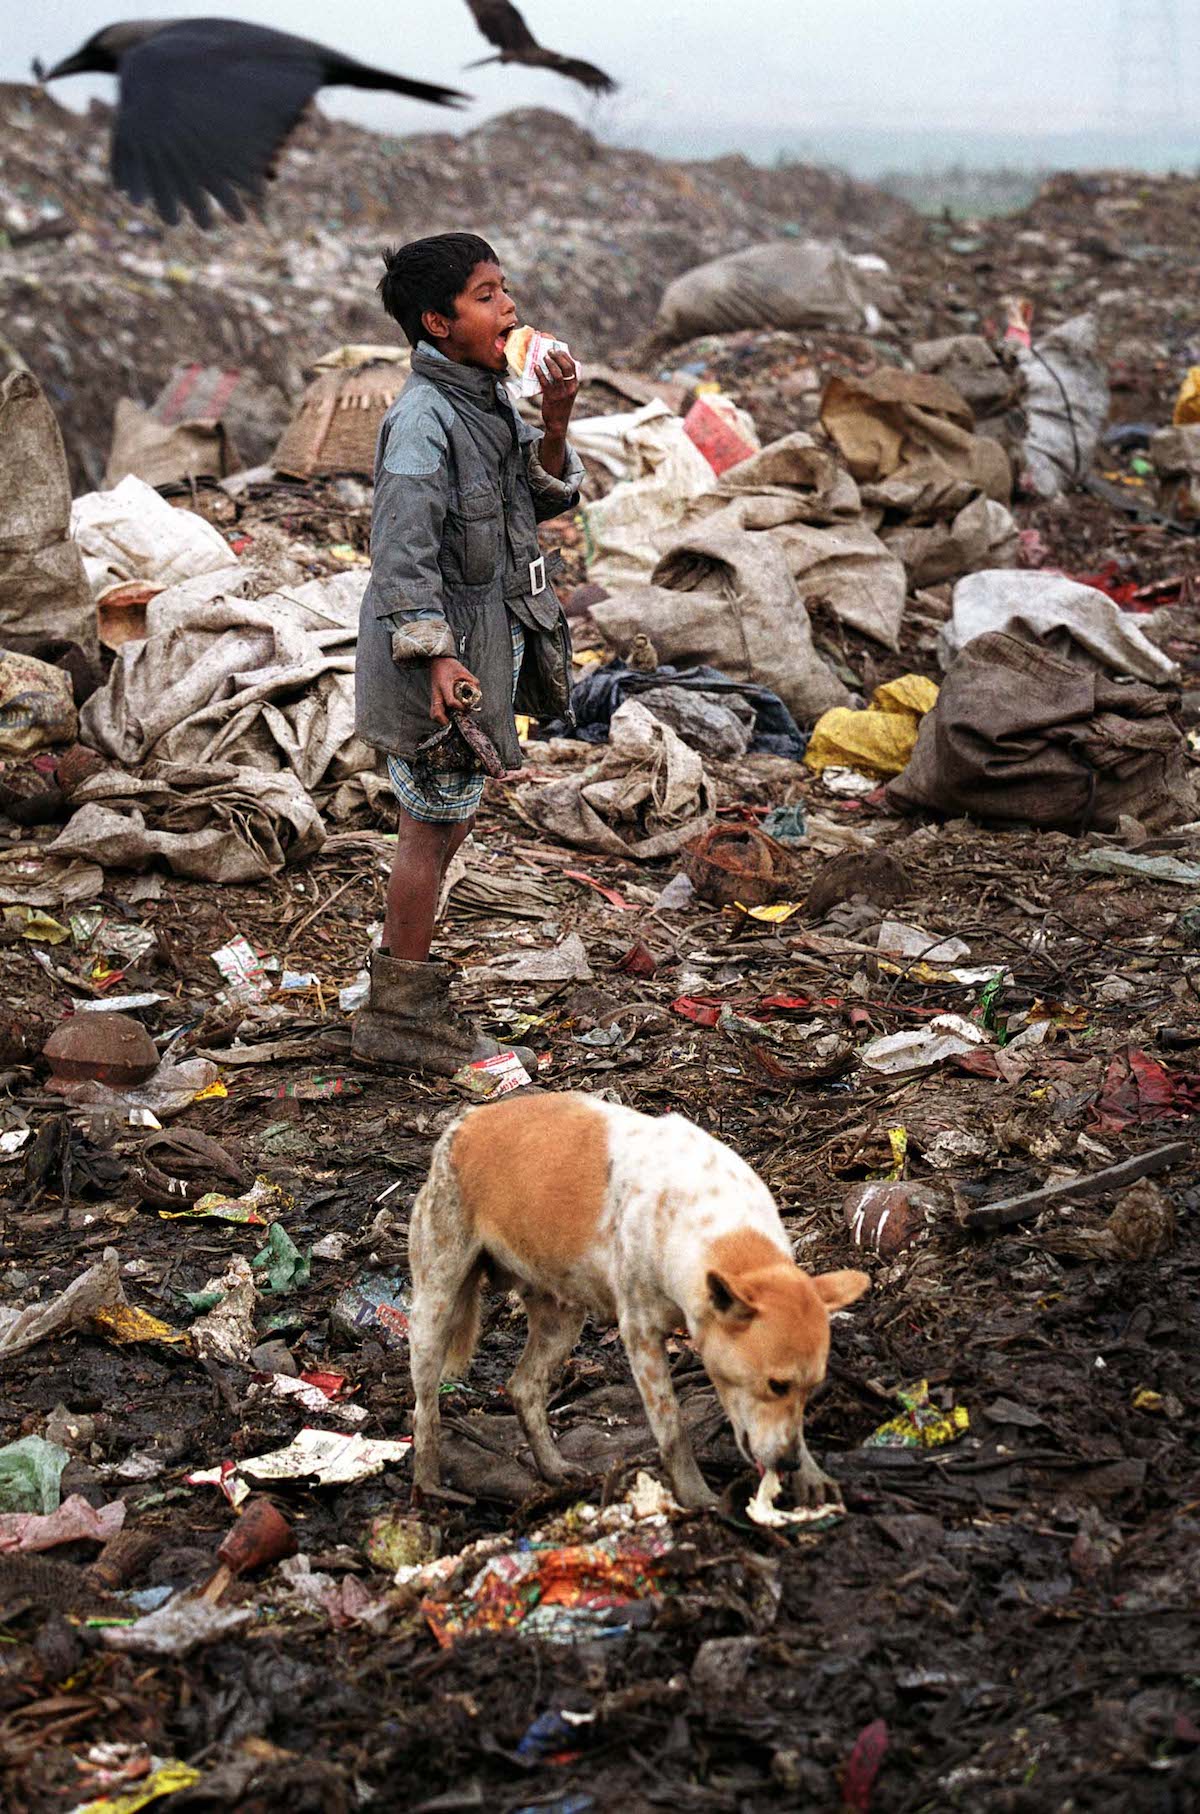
[
  {"x": 503, "y": 26},
  {"x": 205, "y": 105}
]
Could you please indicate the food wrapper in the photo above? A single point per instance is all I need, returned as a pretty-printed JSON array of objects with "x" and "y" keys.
[
  {"x": 562, "y": 1595},
  {"x": 124, "y": 1323},
  {"x": 920, "y": 1425},
  {"x": 242, "y": 968},
  {"x": 258, "y": 1206},
  {"x": 166, "y": 1779},
  {"x": 487, "y": 1078},
  {"x": 525, "y": 382}
]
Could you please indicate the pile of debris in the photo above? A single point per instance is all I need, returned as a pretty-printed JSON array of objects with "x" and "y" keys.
[
  {"x": 871, "y": 846},
  {"x": 98, "y": 297}
]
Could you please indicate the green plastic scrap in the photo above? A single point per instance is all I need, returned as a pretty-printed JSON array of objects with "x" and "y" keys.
[
  {"x": 30, "y": 1475},
  {"x": 987, "y": 1004},
  {"x": 786, "y": 824},
  {"x": 286, "y": 1268},
  {"x": 201, "y": 1302}
]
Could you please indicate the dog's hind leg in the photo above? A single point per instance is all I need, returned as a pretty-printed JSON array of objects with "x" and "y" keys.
[
  {"x": 644, "y": 1346},
  {"x": 443, "y": 1323},
  {"x": 554, "y": 1329}
]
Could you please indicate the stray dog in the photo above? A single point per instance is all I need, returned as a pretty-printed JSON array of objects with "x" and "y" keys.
[{"x": 586, "y": 1207}]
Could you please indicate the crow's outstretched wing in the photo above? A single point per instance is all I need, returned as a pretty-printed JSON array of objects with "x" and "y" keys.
[
  {"x": 502, "y": 25},
  {"x": 206, "y": 105},
  {"x": 576, "y": 69}
]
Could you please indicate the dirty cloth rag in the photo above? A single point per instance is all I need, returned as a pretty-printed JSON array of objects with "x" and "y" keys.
[
  {"x": 603, "y": 689},
  {"x": 263, "y": 683},
  {"x": 215, "y": 822},
  {"x": 647, "y": 797}
]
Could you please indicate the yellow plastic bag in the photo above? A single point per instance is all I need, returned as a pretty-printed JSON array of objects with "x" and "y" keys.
[
  {"x": 32, "y": 923},
  {"x": 1187, "y": 403},
  {"x": 911, "y": 693},
  {"x": 774, "y": 915},
  {"x": 878, "y": 741}
]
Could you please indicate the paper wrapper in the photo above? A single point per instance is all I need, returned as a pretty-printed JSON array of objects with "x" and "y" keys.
[{"x": 525, "y": 384}]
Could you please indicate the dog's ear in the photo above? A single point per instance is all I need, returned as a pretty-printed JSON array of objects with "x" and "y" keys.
[
  {"x": 726, "y": 1302},
  {"x": 837, "y": 1289}
]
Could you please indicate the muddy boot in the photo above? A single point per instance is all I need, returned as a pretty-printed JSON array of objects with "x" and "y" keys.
[{"x": 408, "y": 1020}]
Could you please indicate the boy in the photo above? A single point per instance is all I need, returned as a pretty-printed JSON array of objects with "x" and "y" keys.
[{"x": 458, "y": 593}]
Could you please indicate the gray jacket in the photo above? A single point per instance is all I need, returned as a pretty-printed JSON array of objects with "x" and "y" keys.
[{"x": 459, "y": 492}]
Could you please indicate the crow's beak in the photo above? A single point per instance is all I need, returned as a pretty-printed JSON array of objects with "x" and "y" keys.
[{"x": 70, "y": 66}]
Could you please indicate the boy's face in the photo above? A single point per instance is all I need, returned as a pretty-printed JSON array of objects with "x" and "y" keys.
[{"x": 484, "y": 316}]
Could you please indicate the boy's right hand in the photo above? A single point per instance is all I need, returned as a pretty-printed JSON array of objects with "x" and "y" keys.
[{"x": 445, "y": 673}]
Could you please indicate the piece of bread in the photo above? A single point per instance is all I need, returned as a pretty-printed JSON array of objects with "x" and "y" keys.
[{"x": 516, "y": 347}]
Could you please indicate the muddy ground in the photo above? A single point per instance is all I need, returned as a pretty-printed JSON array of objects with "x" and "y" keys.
[{"x": 1017, "y": 1607}]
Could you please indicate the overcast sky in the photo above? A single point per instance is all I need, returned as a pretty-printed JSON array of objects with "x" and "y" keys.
[{"x": 708, "y": 75}]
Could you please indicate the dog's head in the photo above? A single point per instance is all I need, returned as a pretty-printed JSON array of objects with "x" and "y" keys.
[{"x": 764, "y": 1341}]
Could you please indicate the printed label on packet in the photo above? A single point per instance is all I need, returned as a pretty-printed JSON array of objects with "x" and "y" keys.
[
  {"x": 242, "y": 968},
  {"x": 488, "y": 1078},
  {"x": 527, "y": 385}
]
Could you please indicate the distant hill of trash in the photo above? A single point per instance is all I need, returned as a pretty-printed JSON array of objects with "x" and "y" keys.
[{"x": 101, "y": 301}]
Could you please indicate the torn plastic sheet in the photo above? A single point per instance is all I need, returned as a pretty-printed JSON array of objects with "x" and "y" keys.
[
  {"x": 946, "y": 1036},
  {"x": 74, "y": 1521},
  {"x": 99, "y": 1287},
  {"x": 322, "y": 1457},
  {"x": 313, "y": 1399}
]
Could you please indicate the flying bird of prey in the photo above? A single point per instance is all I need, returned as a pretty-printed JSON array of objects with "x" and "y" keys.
[
  {"x": 503, "y": 26},
  {"x": 205, "y": 105}
]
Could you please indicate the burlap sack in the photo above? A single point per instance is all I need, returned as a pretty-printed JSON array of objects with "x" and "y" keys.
[
  {"x": 728, "y": 599},
  {"x": 1021, "y": 734},
  {"x": 1066, "y": 404},
  {"x": 783, "y": 284},
  {"x": 36, "y": 707},
  {"x": 44, "y": 594},
  {"x": 791, "y": 480},
  {"x": 163, "y": 453},
  {"x": 981, "y": 535},
  {"x": 216, "y": 823},
  {"x": 895, "y": 421}
]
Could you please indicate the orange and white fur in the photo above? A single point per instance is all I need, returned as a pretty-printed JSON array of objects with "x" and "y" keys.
[{"x": 584, "y": 1207}]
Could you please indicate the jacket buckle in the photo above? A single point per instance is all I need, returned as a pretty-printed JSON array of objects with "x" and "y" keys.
[{"x": 537, "y": 575}]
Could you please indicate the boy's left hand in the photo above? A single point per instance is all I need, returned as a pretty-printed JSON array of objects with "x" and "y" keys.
[{"x": 559, "y": 379}]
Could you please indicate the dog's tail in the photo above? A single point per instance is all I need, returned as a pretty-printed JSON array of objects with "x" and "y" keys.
[{"x": 465, "y": 1322}]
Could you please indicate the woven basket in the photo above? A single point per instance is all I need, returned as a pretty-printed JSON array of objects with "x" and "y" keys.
[{"x": 337, "y": 424}]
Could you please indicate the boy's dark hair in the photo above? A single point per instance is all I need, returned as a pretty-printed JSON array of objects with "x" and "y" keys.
[{"x": 428, "y": 274}]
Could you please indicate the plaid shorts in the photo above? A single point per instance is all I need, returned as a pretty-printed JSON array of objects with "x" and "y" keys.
[{"x": 452, "y": 798}]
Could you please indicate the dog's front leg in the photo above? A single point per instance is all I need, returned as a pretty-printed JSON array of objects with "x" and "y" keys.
[
  {"x": 810, "y": 1484},
  {"x": 644, "y": 1346}
]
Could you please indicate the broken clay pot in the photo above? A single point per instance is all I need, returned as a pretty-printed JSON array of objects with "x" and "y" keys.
[
  {"x": 889, "y": 1215},
  {"x": 111, "y": 1048}
]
